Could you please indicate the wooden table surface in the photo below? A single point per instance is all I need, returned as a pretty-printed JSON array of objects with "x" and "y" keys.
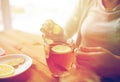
[{"x": 17, "y": 42}]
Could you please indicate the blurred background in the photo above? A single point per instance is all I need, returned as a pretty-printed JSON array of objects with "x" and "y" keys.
[{"x": 29, "y": 15}]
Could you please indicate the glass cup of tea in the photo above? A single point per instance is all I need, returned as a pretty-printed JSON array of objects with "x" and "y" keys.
[{"x": 59, "y": 56}]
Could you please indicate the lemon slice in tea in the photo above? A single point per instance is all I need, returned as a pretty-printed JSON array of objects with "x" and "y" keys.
[
  {"x": 6, "y": 70},
  {"x": 61, "y": 49}
]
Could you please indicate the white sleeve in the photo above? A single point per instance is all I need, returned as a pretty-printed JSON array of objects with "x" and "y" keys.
[{"x": 76, "y": 19}]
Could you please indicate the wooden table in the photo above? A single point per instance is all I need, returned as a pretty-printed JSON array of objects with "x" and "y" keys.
[{"x": 17, "y": 42}]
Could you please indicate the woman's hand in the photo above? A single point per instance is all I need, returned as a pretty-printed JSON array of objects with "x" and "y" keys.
[
  {"x": 99, "y": 60},
  {"x": 52, "y": 30}
]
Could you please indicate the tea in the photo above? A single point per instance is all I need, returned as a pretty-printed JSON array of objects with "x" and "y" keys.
[{"x": 60, "y": 58}]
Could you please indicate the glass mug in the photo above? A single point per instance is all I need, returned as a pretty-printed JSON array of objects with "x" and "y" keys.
[{"x": 59, "y": 56}]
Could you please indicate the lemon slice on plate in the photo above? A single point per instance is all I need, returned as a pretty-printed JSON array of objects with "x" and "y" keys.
[
  {"x": 61, "y": 49},
  {"x": 6, "y": 70},
  {"x": 16, "y": 62}
]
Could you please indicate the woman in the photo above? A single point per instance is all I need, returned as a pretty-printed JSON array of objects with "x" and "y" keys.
[{"x": 97, "y": 24}]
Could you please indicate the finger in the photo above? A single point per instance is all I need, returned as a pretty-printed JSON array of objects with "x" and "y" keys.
[
  {"x": 49, "y": 23},
  {"x": 91, "y": 49},
  {"x": 44, "y": 28},
  {"x": 89, "y": 54}
]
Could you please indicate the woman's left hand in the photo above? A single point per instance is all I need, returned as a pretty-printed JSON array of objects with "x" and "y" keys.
[
  {"x": 99, "y": 60},
  {"x": 52, "y": 30}
]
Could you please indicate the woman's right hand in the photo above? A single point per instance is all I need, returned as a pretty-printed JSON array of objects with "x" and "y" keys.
[
  {"x": 52, "y": 30},
  {"x": 98, "y": 59}
]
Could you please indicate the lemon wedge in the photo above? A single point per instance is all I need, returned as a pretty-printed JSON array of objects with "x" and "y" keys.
[
  {"x": 6, "y": 70},
  {"x": 61, "y": 49},
  {"x": 56, "y": 29}
]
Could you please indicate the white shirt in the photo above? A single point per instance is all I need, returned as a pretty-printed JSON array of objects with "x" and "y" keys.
[{"x": 99, "y": 27}]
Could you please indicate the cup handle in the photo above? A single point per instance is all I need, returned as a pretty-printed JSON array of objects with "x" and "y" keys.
[{"x": 76, "y": 50}]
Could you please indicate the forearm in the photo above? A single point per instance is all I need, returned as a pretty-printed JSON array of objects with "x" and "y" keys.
[
  {"x": 71, "y": 27},
  {"x": 76, "y": 20}
]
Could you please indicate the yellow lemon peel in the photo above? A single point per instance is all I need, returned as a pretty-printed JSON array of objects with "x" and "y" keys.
[
  {"x": 6, "y": 70},
  {"x": 56, "y": 29}
]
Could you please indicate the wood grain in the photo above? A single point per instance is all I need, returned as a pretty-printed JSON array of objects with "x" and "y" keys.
[{"x": 17, "y": 42}]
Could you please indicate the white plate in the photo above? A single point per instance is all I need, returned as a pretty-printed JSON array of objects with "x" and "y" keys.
[{"x": 21, "y": 68}]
